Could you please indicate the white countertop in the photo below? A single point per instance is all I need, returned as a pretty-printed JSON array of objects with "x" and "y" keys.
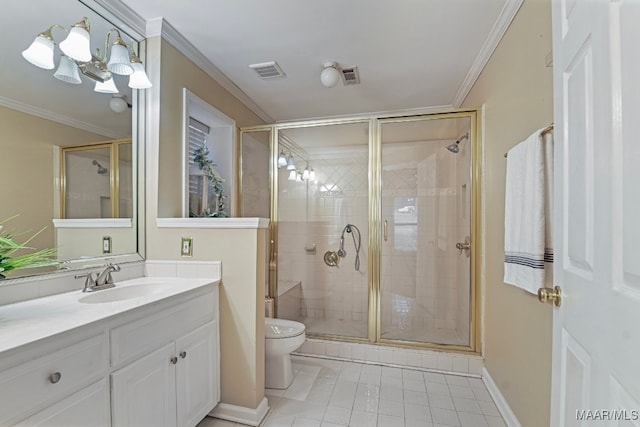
[{"x": 29, "y": 321}]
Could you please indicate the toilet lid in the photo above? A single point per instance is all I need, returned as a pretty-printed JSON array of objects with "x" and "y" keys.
[{"x": 281, "y": 328}]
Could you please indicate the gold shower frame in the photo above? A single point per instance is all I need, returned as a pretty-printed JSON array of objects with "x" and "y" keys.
[{"x": 375, "y": 123}]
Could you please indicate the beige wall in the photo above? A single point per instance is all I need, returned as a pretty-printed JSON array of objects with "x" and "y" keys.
[
  {"x": 177, "y": 73},
  {"x": 27, "y": 172},
  {"x": 240, "y": 251},
  {"x": 516, "y": 91}
]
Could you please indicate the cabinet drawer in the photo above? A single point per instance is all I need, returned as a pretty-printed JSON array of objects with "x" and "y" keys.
[
  {"x": 140, "y": 337},
  {"x": 40, "y": 382}
]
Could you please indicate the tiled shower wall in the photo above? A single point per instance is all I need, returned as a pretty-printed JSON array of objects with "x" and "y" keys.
[{"x": 313, "y": 215}]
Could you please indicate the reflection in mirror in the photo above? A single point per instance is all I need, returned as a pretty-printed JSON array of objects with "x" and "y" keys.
[{"x": 49, "y": 182}]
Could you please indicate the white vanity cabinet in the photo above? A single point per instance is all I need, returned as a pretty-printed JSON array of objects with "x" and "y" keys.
[
  {"x": 51, "y": 373},
  {"x": 152, "y": 364},
  {"x": 176, "y": 382}
]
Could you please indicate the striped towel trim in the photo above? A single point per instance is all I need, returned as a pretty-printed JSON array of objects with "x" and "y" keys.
[{"x": 529, "y": 260}]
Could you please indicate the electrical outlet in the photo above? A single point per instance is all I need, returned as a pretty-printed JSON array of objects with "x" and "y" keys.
[
  {"x": 106, "y": 245},
  {"x": 186, "y": 248}
]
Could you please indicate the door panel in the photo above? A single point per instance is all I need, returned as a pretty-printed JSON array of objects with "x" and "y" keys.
[{"x": 597, "y": 101}]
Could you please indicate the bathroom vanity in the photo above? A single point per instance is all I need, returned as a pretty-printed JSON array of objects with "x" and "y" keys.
[{"x": 145, "y": 353}]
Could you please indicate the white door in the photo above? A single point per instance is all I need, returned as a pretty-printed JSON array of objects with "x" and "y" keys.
[{"x": 596, "y": 336}]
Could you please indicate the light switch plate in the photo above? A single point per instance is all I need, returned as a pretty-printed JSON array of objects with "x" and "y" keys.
[
  {"x": 106, "y": 245},
  {"x": 186, "y": 247}
]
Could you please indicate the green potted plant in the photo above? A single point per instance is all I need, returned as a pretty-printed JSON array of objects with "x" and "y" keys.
[{"x": 9, "y": 260}]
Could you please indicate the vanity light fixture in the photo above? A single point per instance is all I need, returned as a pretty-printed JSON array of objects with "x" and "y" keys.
[
  {"x": 291, "y": 164},
  {"x": 118, "y": 58},
  {"x": 282, "y": 159}
]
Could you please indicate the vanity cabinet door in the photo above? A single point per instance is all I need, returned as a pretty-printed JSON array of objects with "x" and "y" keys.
[
  {"x": 88, "y": 407},
  {"x": 197, "y": 374},
  {"x": 144, "y": 392}
]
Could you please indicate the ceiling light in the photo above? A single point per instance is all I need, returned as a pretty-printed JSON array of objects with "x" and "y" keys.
[
  {"x": 330, "y": 76},
  {"x": 293, "y": 175},
  {"x": 282, "y": 159},
  {"x": 312, "y": 175},
  {"x": 119, "y": 104},
  {"x": 118, "y": 58},
  {"x": 305, "y": 173}
]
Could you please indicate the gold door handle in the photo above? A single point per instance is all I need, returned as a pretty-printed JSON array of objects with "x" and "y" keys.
[
  {"x": 386, "y": 230},
  {"x": 553, "y": 295}
]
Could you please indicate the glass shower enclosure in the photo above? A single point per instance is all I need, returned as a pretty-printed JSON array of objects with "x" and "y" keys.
[{"x": 372, "y": 227}]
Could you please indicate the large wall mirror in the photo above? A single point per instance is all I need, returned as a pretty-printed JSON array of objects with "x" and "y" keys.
[{"x": 70, "y": 152}]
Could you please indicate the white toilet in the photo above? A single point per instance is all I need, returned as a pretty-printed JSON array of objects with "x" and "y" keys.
[{"x": 281, "y": 338}]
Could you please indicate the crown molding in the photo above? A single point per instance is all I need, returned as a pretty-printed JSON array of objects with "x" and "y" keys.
[
  {"x": 500, "y": 27},
  {"x": 161, "y": 27},
  {"x": 130, "y": 22},
  {"x": 59, "y": 118}
]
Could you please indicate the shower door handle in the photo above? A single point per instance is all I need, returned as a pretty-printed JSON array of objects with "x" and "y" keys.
[
  {"x": 464, "y": 246},
  {"x": 385, "y": 230}
]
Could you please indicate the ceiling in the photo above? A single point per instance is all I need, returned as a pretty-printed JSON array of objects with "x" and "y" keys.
[{"x": 411, "y": 54}]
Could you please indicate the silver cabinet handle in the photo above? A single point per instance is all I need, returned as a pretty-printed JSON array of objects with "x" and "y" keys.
[
  {"x": 174, "y": 360},
  {"x": 183, "y": 354},
  {"x": 55, "y": 377},
  {"x": 386, "y": 230}
]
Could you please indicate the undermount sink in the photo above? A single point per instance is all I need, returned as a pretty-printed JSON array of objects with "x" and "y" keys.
[{"x": 121, "y": 294}]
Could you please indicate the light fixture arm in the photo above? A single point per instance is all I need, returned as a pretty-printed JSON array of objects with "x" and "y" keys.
[
  {"x": 84, "y": 24},
  {"x": 118, "y": 40},
  {"x": 48, "y": 32}
]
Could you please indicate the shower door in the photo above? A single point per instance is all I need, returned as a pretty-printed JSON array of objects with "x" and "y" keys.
[
  {"x": 425, "y": 282},
  {"x": 323, "y": 200}
]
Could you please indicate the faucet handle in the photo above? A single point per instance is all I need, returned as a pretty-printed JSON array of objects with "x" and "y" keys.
[{"x": 90, "y": 280}]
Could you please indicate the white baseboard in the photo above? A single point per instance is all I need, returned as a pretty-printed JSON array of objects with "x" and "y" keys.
[
  {"x": 505, "y": 410},
  {"x": 241, "y": 414}
]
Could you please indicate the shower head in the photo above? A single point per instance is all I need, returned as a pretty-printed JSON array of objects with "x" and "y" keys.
[
  {"x": 101, "y": 170},
  {"x": 455, "y": 147}
]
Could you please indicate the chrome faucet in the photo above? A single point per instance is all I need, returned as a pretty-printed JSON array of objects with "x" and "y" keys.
[
  {"x": 104, "y": 278},
  {"x": 95, "y": 281}
]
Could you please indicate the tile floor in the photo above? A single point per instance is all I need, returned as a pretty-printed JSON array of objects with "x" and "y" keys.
[{"x": 332, "y": 393}]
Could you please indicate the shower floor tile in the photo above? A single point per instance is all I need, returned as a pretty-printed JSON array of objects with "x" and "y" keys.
[{"x": 333, "y": 393}]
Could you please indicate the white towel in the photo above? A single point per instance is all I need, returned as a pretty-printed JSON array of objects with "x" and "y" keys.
[{"x": 528, "y": 232}]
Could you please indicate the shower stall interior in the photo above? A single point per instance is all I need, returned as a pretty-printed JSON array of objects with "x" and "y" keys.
[{"x": 372, "y": 225}]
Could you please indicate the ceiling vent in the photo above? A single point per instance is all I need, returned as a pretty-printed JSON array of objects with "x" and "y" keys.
[
  {"x": 350, "y": 76},
  {"x": 268, "y": 70}
]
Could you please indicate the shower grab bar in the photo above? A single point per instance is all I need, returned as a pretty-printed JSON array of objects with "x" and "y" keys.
[{"x": 386, "y": 230}]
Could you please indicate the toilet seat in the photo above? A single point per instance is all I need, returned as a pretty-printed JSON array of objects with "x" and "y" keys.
[{"x": 282, "y": 328}]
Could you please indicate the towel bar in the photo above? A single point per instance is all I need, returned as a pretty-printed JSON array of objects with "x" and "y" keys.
[{"x": 544, "y": 132}]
